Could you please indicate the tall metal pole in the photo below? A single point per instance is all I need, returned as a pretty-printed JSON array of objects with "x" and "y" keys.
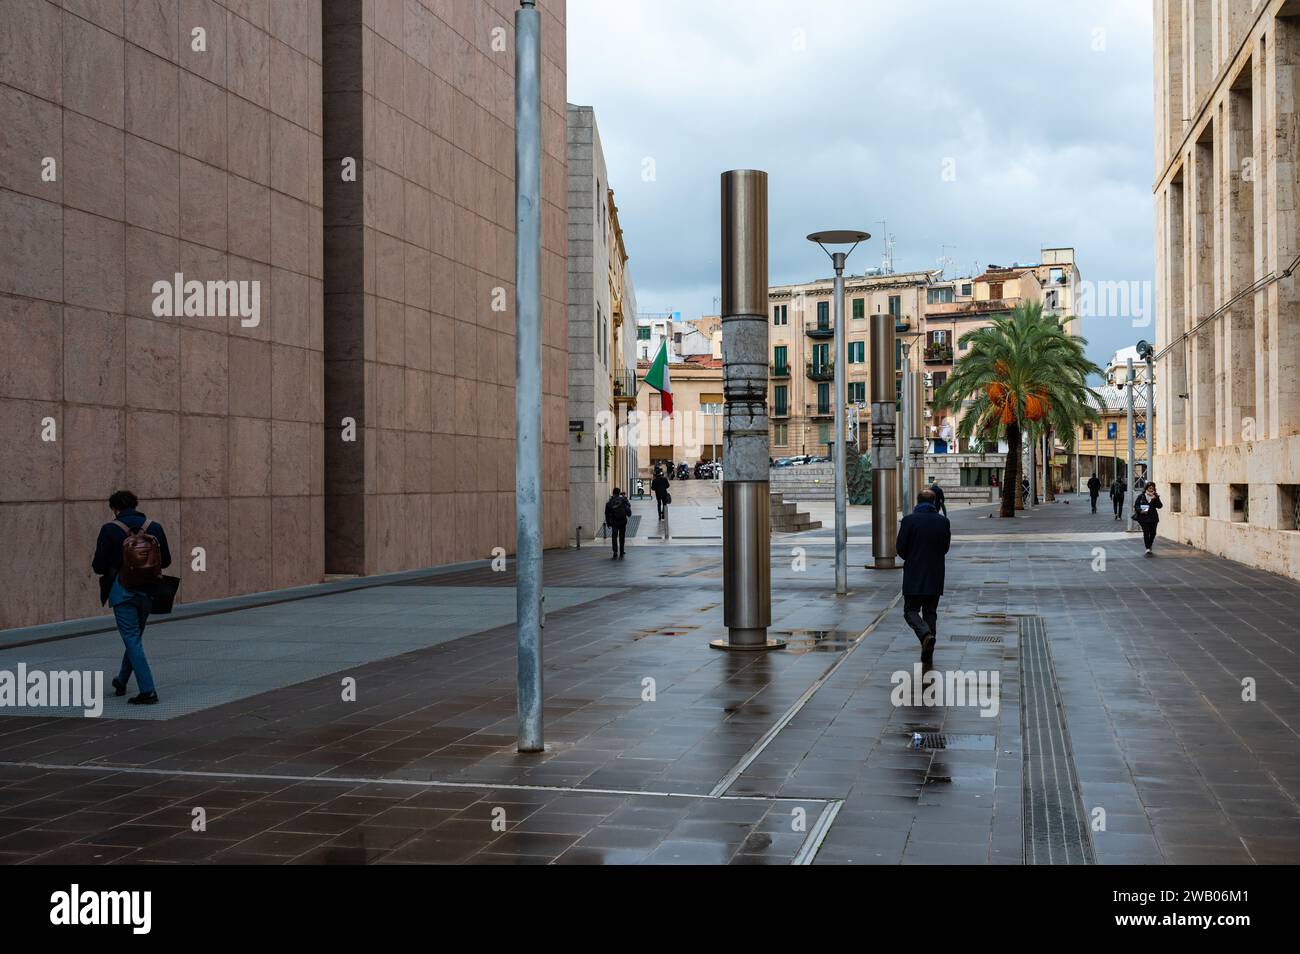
[
  {"x": 1151, "y": 410},
  {"x": 884, "y": 453},
  {"x": 841, "y": 396},
  {"x": 1129, "y": 380},
  {"x": 905, "y": 430},
  {"x": 528, "y": 376},
  {"x": 746, "y": 504}
]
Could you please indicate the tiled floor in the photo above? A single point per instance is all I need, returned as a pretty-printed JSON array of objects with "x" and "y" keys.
[{"x": 646, "y": 724}]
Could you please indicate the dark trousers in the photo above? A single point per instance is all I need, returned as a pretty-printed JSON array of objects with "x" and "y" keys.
[
  {"x": 662, "y": 504},
  {"x": 1148, "y": 534},
  {"x": 1119, "y": 505},
  {"x": 922, "y": 614},
  {"x": 1094, "y": 502},
  {"x": 617, "y": 537}
]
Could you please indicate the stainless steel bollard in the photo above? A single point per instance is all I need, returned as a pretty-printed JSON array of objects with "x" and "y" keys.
[{"x": 746, "y": 507}]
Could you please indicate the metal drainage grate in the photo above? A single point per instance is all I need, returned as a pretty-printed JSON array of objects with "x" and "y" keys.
[
  {"x": 955, "y": 741},
  {"x": 1053, "y": 817},
  {"x": 969, "y": 638}
]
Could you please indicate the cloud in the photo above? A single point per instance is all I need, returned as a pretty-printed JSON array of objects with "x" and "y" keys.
[{"x": 853, "y": 108}]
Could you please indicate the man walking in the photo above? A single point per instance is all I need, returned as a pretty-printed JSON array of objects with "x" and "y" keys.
[
  {"x": 130, "y": 555},
  {"x": 1117, "y": 490},
  {"x": 660, "y": 488},
  {"x": 923, "y": 540},
  {"x": 1094, "y": 490},
  {"x": 939, "y": 503},
  {"x": 617, "y": 510}
]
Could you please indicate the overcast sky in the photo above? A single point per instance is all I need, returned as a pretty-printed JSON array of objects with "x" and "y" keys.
[{"x": 1040, "y": 112}]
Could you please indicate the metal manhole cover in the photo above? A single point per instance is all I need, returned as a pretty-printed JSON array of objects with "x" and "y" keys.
[{"x": 969, "y": 638}]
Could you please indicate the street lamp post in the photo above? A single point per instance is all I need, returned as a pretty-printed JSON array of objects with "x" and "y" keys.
[
  {"x": 850, "y": 238},
  {"x": 1147, "y": 353},
  {"x": 1129, "y": 381},
  {"x": 528, "y": 377}
]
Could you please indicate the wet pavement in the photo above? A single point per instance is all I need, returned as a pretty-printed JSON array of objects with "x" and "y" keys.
[{"x": 662, "y": 750}]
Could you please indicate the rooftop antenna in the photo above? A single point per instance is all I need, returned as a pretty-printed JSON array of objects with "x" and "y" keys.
[
  {"x": 887, "y": 257},
  {"x": 944, "y": 261}
]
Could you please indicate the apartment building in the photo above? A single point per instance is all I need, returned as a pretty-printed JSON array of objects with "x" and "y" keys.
[
  {"x": 801, "y": 342},
  {"x": 1227, "y": 185}
]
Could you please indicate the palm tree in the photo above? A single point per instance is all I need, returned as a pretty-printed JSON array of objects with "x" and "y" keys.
[{"x": 1020, "y": 374}]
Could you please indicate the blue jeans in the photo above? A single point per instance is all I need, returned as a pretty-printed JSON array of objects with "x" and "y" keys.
[{"x": 131, "y": 609}]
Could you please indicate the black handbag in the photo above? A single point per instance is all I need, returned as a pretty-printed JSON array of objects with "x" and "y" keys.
[{"x": 164, "y": 594}]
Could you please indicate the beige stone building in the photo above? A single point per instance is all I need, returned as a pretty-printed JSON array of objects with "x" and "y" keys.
[
  {"x": 376, "y": 291},
  {"x": 602, "y": 322},
  {"x": 1227, "y": 78},
  {"x": 694, "y": 431}
]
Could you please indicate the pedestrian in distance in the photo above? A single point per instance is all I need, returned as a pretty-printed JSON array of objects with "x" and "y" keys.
[
  {"x": 130, "y": 555},
  {"x": 1117, "y": 491},
  {"x": 617, "y": 511},
  {"x": 1024, "y": 491},
  {"x": 1146, "y": 511},
  {"x": 939, "y": 502},
  {"x": 923, "y": 540},
  {"x": 660, "y": 488},
  {"x": 1094, "y": 491}
]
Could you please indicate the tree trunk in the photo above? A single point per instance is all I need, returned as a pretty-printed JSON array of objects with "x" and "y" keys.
[
  {"x": 1011, "y": 473},
  {"x": 1050, "y": 491}
]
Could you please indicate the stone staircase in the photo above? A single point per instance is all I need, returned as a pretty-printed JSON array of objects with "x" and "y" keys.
[
  {"x": 787, "y": 518},
  {"x": 805, "y": 482}
]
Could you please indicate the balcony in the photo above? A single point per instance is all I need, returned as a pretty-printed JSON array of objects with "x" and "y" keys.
[
  {"x": 938, "y": 354},
  {"x": 780, "y": 410},
  {"x": 623, "y": 387},
  {"x": 820, "y": 371},
  {"x": 820, "y": 411},
  {"x": 779, "y": 370},
  {"x": 819, "y": 330}
]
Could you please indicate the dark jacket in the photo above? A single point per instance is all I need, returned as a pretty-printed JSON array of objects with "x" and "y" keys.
[
  {"x": 938, "y": 497},
  {"x": 1117, "y": 489},
  {"x": 1147, "y": 511},
  {"x": 617, "y": 509},
  {"x": 660, "y": 486},
  {"x": 108, "y": 548},
  {"x": 923, "y": 539},
  {"x": 1094, "y": 486}
]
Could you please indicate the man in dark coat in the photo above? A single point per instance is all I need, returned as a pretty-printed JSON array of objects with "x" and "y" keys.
[
  {"x": 923, "y": 540},
  {"x": 131, "y": 605},
  {"x": 1117, "y": 490},
  {"x": 660, "y": 487},
  {"x": 617, "y": 510},
  {"x": 1094, "y": 489},
  {"x": 938, "y": 498}
]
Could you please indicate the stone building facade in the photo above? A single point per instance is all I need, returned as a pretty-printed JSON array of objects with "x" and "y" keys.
[
  {"x": 1227, "y": 75},
  {"x": 204, "y": 139}
]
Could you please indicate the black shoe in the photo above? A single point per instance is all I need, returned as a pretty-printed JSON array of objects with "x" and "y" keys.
[
  {"x": 119, "y": 688},
  {"x": 927, "y": 651},
  {"x": 614, "y": 557},
  {"x": 144, "y": 699}
]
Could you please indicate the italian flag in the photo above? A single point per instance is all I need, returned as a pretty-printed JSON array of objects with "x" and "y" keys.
[{"x": 657, "y": 378}]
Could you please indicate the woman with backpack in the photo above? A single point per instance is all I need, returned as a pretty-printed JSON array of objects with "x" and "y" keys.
[{"x": 1146, "y": 511}]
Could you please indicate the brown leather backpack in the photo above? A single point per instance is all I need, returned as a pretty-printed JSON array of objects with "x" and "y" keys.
[{"x": 141, "y": 557}]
